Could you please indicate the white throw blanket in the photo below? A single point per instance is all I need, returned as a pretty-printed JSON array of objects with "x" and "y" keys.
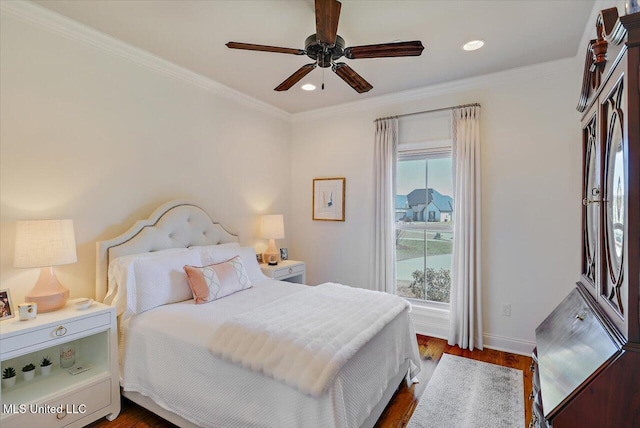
[{"x": 305, "y": 338}]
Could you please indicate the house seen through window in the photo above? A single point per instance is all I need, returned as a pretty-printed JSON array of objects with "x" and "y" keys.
[{"x": 424, "y": 229}]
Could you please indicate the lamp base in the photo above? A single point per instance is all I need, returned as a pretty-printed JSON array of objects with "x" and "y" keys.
[
  {"x": 48, "y": 293},
  {"x": 271, "y": 255}
]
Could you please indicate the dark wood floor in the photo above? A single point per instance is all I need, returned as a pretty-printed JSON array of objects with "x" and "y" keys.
[{"x": 401, "y": 406}]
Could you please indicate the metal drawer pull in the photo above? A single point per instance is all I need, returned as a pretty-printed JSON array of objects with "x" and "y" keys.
[
  {"x": 61, "y": 415},
  {"x": 61, "y": 331},
  {"x": 531, "y": 395},
  {"x": 290, "y": 270},
  {"x": 582, "y": 316}
]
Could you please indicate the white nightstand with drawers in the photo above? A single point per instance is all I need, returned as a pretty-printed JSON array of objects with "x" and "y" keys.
[
  {"x": 61, "y": 399},
  {"x": 286, "y": 270}
]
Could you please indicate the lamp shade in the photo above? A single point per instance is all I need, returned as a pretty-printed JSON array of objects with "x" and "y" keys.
[
  {"x": 272, "y": 226},
  {"x": 41, "y": 243}
]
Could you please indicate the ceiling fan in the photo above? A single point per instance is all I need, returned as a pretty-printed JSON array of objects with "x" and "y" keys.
[{"x": 326, "y": 46}]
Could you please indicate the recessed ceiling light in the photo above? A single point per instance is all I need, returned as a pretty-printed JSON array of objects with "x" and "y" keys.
[
  {"x": 309, "y": 87},
  {"x": 473, "y": 45}
]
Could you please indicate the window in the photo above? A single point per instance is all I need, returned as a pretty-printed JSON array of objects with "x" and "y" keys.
[{"x": 424, "y": 229}]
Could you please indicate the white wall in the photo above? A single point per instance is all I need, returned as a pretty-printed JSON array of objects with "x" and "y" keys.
[
  {"x": 89, "y": 135},
  {"x": 531, "y": 163}
]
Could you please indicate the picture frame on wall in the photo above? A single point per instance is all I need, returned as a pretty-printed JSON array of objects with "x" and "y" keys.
[
  {"x": 6, "y": 306},
  {"x": 329, "y": 199},
  {"x": 284, "y": 254}
]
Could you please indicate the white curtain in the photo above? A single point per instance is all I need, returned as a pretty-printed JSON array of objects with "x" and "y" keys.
[
  {"x": 465, "y": 323},
  {"x": 385, "y": 154}
]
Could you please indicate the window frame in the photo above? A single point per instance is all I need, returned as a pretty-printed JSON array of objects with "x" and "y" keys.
[{"x": 425, "y": 151}]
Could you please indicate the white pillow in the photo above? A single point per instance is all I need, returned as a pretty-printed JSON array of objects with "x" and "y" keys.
[
  {"x": 120, "y": 274},
  {"x": 152, "y": 279},
  {"x": 215, "y": 254}
]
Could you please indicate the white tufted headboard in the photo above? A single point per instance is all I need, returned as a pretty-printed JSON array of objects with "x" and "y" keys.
[{"x": 176, "y": 224}]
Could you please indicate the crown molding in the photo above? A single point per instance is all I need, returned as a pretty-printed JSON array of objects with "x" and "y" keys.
[
  {"x": 515, "y": 74},
  {"x": 73, "y": 30}
]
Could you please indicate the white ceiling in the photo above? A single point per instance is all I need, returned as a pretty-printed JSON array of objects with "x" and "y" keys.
[{"x": 193, "y": 34}]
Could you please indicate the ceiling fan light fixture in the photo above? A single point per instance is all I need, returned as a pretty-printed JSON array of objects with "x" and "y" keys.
[
  {"x": 308, "y": 87},
  {"x": 473, "y": 45}
]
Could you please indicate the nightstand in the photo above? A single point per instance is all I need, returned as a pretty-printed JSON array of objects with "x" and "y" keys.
[
  {"x": 286, "y": 270},
  {"x": 61, "y": 398}
]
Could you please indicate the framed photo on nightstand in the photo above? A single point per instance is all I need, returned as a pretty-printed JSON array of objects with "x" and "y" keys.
[
  {"x": 6, "y": 307},
  {"x": 284, "y": 254},
  {"x": 260, "y": 258}
]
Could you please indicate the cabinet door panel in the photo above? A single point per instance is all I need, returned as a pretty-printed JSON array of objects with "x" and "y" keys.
[
  {"x": 591, "y": 194},
  {"x": 614, "y": 213}
]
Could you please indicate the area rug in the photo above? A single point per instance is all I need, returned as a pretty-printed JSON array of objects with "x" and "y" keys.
[{"x": 465, "y": 393}]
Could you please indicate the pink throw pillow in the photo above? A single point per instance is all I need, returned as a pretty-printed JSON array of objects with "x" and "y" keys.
[{"x": 212, "y": 282}]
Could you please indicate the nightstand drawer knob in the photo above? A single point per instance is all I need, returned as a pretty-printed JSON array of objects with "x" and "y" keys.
[
  {"x": 61, "y": 414},
  {"x": 290, "y": 270},
  {"x": 61, "y": 331}
]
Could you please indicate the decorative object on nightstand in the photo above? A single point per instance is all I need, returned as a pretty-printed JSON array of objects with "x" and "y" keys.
[
  {"x": 284, "y": 254},
  {"x": 45, "y": 366},
  {"x": 27, "y": 311},
  {"x": 29, "y": 371},
  {"x": 9, "y": 377},
  {"x": 6, "y": 307},
  {"x": 83, "y": 304},
  {"x": 67, "y": 355},
  {"x": 44, "y": 244},
  {"x": 272, "y": 228}
]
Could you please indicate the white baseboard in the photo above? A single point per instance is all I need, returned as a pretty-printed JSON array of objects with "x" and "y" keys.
[
  {"x": 508, "y": 344},
  {"x": 435, "y": 323}
]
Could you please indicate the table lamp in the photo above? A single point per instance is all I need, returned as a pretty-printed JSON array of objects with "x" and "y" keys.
[
  {"x": 44, "y": 244},
  {"x": 272, "y": 228}
]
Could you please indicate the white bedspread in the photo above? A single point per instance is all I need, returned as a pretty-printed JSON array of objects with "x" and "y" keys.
[
  {"x": 305, "y": 338},
  {"x": 166, "y": 357}
]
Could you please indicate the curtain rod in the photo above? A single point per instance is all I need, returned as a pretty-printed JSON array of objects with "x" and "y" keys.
[{"x": 429, "y": 111}]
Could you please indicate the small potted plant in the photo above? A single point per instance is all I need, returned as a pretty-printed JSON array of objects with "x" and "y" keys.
[
  {"x": 8, "y": 377},
  {"x": 29, "y": 371},
  {"x": 45, "y": 366}
]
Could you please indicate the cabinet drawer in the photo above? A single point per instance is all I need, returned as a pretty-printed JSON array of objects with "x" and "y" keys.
[
  {"x": 54, "y": 332},
  {"x": 73, "y": 406},
  {"x": 288, "y": 271}
]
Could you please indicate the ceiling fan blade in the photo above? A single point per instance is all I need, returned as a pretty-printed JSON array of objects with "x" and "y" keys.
[
  {"x": 352, "y": 78},
  {"x": 385, "y": 50},
  {"x": 327, "y": 16},
  {"x": 295, "y": 77},
  {"x": 264, "y": 48}
]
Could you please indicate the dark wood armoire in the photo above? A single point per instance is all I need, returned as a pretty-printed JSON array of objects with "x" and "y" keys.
[{"x": 587, "y": 356}]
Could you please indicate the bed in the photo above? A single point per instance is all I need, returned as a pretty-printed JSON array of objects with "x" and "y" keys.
[{"x": 167, "y": 359}]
